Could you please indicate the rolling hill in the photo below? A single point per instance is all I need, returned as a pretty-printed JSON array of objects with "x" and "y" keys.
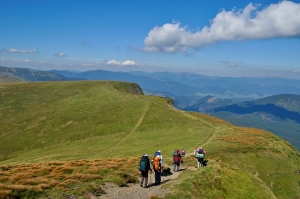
[
  {"x": 279, "y": 114},
  {"x": 7, "y": 77},
  {"x": 63, "y": 139},
  {"x": 23, "y": 74}
]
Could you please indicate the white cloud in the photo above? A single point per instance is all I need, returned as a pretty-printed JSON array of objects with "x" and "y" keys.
[
  {"x": 26, "y": 60},
  {"x": 276, "y": 20},
  {"x": 14, "y": 50},
  {"x": 92, "y": 64},
  {"x": 113, "y": 62},
  {"x": 125, "y": 63},
  {"x": 61, "y": 55}
]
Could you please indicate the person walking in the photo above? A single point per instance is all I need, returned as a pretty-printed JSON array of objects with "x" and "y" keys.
[
  {"x": 144, "y": 168},
  {"x": 157, "y": 169},
  {"x": 176, "y": 160},
  {"x": 200, "y": 156}
]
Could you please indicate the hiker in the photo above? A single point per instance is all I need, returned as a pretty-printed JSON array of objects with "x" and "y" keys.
[
  {"x": 144, "y": 168},
  {"x": 201, "y": 150},
  {"x": 176, "y": 160},
  {"x": 195, "y": 152},
  {"x": 160, "y": 156},
  {"x": 157, "y": 169},
  {"x": 200, "y": 156},
  {"x": 182, "y": 152}
]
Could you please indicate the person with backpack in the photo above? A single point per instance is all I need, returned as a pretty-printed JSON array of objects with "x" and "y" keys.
[
  {"x": 182, "y": 152},
  {"x": 200, "y": 156},
  {"x": 176, "y": 160},
  {"x": 158, "y": 153},
  {"x": 157, "y": 169},
  {"x": 144, "y": 168},
  {"x": 201, "y": 150}
]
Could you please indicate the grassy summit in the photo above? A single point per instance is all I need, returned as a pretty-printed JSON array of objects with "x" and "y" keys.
[{"x": 59, "y": 135}]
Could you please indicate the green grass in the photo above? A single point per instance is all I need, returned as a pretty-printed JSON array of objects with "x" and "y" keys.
[{"x": 92, "y": 121}]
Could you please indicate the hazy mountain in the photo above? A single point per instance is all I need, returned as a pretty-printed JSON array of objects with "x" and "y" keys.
[
  {"x": 188, "y": 89},
  {"x": 32, "y": 75},
  {"x": 148, "y": 84},
  {"x": 207, "y": 103},
  {"x": 7, "y": 77},
  {"x": 279, "y": 114}
]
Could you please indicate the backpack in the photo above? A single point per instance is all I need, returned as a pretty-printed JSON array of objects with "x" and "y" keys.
[
  {"x": 201, "y": 151},
  {"x": 143, "y": 164},
  {"x": 156, "y": 154},
  {"x": 176, "y": 153},
  {"x": 182, "y": 151},
  {"x": 200, "y": 155},
  {"x": 176, "y": 156},
  {"x": 156, "y": 164}
]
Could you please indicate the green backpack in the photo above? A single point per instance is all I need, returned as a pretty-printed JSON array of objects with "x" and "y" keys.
[{"x": 200, "y": 155}]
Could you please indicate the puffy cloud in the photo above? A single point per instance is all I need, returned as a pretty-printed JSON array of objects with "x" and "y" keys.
[
  {"x": 61, "y": 55},
  {"x": 274, "y": 21},
  {"x": 14, "y": 50},
  {"x": 26, "y": 60},
  {"x": 125, "y": 63}
]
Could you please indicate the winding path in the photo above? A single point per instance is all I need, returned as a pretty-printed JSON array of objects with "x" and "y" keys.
[{"x": 134, "y": 191}]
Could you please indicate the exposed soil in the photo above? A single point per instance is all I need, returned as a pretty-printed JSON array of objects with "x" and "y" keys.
[{"x": 134, "y": 191}]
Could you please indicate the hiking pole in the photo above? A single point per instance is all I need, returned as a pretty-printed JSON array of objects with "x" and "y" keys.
[{"x": 150, "y": 181}]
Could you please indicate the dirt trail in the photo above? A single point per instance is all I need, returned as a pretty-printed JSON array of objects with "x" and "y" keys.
[{"x": 134, "y": 191}]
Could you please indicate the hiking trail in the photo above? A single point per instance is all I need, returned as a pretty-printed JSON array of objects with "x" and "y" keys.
[{"x": 134, "y": 191}]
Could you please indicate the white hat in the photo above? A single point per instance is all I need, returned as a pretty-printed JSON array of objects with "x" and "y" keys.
[
  {"x": 158, "y": 151},
  {"x": 145, "y": 154}
]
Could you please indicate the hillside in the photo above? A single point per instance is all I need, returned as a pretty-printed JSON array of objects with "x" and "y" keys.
[
  {"x": 31, "y": 75},
  {"x": 6, "y": 77},
  {"x": 69, "y": 139},
  {"x": 207, "y": 103},
  {"x": 279, "y": 114}
]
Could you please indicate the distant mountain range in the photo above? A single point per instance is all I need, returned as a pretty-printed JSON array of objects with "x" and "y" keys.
[
  {"x": 184, "y": 88},
  {"x": 22, "y": 74},
  {"x": 279, "y": 114}
]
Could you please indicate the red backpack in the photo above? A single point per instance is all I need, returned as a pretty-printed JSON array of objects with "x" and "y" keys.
[{"x": 176, "y": 156}]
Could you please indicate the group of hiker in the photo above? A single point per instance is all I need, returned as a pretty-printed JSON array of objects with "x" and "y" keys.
[
  {"x": 144, "y": 168},
  {"x": 157, "y": 164}
]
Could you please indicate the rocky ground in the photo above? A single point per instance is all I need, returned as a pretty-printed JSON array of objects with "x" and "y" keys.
[{"x": 134, "y": 191}]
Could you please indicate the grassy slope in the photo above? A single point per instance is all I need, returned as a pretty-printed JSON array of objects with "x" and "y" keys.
[{"x": 64, "y": 123}]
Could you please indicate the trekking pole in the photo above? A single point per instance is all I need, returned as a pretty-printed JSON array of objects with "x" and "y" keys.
[{"x": 150, "y": 181}]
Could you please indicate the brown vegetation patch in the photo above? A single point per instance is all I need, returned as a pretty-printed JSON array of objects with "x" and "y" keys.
[
  {"x": 211, "y": 118},
  {"x": 248, "y": 137},
  {"x": 33, "y": 178},
  {"x": 248, "y": 140},
  {"x": 253, "y": 132}
]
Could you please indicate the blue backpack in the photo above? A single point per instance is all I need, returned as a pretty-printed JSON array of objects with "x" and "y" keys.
[{"x": 156, "y": 154}]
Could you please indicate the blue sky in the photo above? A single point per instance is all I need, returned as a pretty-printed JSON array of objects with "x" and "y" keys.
[{"x": 216, "y": 37}]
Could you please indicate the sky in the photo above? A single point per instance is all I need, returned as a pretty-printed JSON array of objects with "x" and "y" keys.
[{"x": 216, "y": 38}]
